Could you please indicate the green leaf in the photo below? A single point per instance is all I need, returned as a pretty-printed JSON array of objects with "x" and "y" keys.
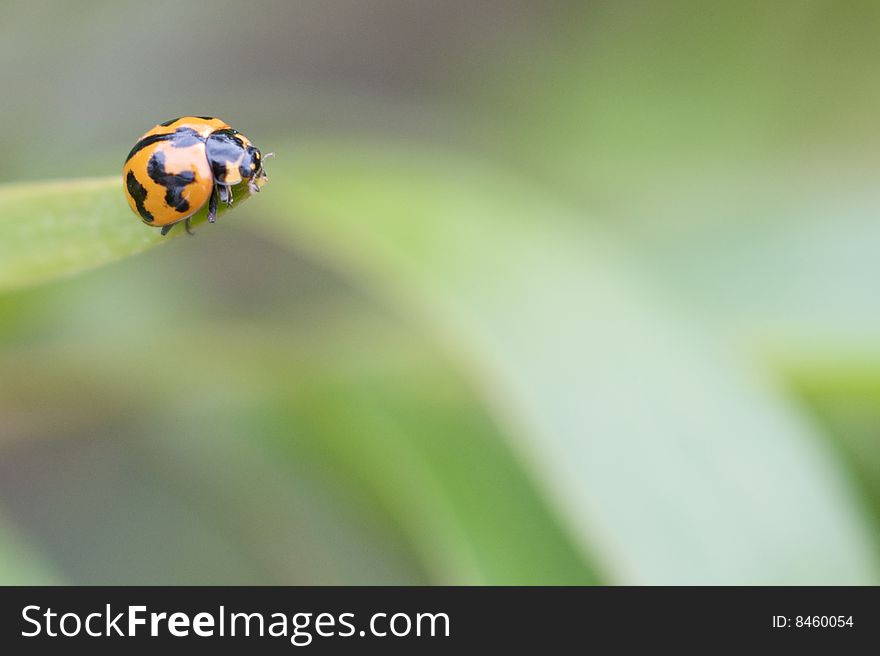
[
  {"x": 725, "y": 144},
  {"x": 669, "y": 456},
  {"x": 55, "y": 229},
  {"x": 401, "y": 428},
  {"x": 59, "y": 228},
  {"x": 352, "y": 417},
  {"x": 794, "y": 274},
  {"x": 844, "y": 394}
]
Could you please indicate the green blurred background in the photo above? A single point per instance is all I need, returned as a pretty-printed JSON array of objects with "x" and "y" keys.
[{"x": 538, "y": 293}]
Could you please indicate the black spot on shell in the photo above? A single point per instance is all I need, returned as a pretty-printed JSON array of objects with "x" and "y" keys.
[
  {"x": 139, "y": 193},
  {"x": 174, "y": 183},
  {"x": 147, "y": 141}
]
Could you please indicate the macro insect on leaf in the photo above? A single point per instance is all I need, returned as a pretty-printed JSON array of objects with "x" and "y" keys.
[{"x": 182, "y": 165}]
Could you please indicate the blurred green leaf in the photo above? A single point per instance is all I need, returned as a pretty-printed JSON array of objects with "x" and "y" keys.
[
  {"x": 662, "y": 450},
  {"x": 194, "y": 471},
  {"x": 403, "y": 430},
  {"x": 844, "y": 394},
  {"x": 791, "y": 278},
  {"x": 351, "y": 418},
  {"x": 55, "y": 229},
  {"x": 731, "y": 147}
]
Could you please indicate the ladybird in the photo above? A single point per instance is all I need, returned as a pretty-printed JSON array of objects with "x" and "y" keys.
[{"x": 182, "y": 164}]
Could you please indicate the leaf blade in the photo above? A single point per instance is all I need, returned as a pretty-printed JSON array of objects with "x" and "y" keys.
[
  {"x": 564, "y": 337},
  {"x": 60, "y": 228}
]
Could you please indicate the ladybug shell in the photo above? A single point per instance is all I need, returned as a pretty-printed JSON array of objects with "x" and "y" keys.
[{"x": 167, "y": 177}]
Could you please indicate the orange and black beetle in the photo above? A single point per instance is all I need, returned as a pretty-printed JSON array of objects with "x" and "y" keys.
[{"x": 179, "y": 165}]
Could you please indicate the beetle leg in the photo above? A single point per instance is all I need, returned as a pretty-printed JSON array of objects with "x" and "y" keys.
[
  {"x": 166, "y": 229},
  {"x": 212, "y": 206},
  {"x": 225, "y": 194},
  {"x": 188, "y": 226}
]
